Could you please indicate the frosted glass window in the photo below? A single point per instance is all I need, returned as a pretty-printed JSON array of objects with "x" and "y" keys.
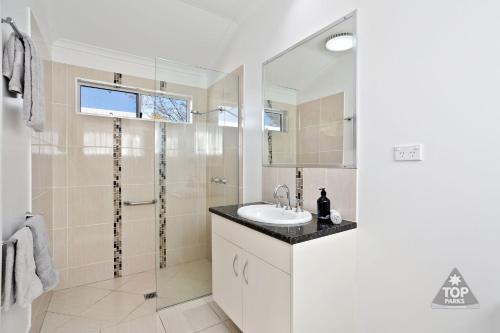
[{"x": 109, "y": 102}]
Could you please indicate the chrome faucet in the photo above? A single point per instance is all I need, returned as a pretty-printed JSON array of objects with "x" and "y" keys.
[
  {"x": 299, "y": 205},
  {"x": 277, "y": 198}
]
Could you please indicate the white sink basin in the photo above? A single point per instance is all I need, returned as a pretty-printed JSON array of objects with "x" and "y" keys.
[{"x": 271, "y": 215}]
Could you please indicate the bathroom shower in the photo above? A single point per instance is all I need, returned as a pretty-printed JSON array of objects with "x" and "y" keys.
[{"x": 191, "y": 154}]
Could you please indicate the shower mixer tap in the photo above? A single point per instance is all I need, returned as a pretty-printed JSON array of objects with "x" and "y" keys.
[{"x": 219, "y": 180}]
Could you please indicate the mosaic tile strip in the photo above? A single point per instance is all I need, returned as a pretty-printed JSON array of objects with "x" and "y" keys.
[
  {"x": 299, "y": 183},
  {"x": 270, "y": 147},
  {"x": 117, "y": 197},
  {"x": 117, "y": 79},
  {"x": 163, "y": 85},
  {"x": 163, "y": 195}
]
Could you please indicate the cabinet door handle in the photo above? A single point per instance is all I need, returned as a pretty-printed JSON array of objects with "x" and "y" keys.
[
  {"x": 245, "y": 272},
  {"x": 235, "y": 260}
]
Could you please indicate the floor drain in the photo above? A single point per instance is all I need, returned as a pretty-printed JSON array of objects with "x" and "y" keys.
[{"x": 150, "y": 295}]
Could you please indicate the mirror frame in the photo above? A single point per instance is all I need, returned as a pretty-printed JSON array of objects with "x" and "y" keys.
[{"x": 351, "y": 15}]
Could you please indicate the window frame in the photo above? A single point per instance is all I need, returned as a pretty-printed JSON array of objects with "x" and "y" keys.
[
  {"x": 283, "y": 120},
  {"x": 228, "y": 109},
  {"x": 139, "y": 92}
]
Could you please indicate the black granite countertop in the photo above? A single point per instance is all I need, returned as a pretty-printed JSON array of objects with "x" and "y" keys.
[{"x": 288, "y": 234}]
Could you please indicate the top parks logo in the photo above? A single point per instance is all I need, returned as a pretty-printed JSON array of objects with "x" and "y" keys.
[{"x": 455, "y": 294}]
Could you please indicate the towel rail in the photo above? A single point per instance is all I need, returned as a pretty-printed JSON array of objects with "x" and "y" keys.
[
  {"x": 28, "y": 215},
  {"x": 139, "y": 203},
  {"x": 11, "y": 22}
]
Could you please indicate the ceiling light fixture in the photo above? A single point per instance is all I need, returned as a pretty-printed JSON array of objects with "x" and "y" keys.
[{"x": 340, "y": 42}]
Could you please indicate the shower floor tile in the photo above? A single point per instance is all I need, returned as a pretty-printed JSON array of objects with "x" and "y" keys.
[
  {"x": 200, "y": 315},
  {"x": 106, "y": 306},
  {"x": 197, "y": 316},
  {"x": 118, "y": 305},
  {"x": 180, "y": 283}
]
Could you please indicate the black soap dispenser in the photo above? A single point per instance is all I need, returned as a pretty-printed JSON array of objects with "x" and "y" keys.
[{"x": 323, "y": 206}]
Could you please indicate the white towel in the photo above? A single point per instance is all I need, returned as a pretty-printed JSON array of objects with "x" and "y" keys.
[
  {"x": 27, "y": 285},
  {"x": 13, "y": 63},
  {"x": 23, "y": 68},
  {"x": 33, "y": 104},
  {"x": 8, "y": 277},
  {"x": 45, "y": 269}
]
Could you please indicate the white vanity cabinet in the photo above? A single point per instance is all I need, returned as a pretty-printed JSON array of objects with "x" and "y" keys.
[
  {"x": 226, "y": 278},
  {"x": 241, "y": 281},
  {"x": 266, "y": 285}
]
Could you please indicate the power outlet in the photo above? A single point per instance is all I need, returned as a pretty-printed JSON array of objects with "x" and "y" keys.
[{"x": 408, "y": 152}]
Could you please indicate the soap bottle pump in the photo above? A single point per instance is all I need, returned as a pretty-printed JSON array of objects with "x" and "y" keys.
[{"x": 323, "y": 206}]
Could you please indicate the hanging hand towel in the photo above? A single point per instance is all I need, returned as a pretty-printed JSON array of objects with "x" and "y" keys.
[
  {"x": 13, "y": 63},
  {"x": 8, "y": 277},
  {"x": 33, "y": 104},
  {"x": 22, "y": 66},
  {"x": 27, "y": 285},
  {"x": 45, "y": 269}
]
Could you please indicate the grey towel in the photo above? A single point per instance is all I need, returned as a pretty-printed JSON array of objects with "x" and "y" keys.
[
  {"x": 13, "y": 63},
  {"x": 8, "y": 277},
  {"x": 33, "y": 104},
  {"x": 27, "y": 285},
  {"x": 23, "y": 68},
  {"x": 43, "y": 261}
]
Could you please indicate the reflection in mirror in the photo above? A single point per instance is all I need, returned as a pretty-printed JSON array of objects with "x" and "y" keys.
[{"x": 309, "y": 101}]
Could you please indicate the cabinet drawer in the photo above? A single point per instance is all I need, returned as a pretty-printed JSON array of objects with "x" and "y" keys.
[{"x": 273, "y": 251}]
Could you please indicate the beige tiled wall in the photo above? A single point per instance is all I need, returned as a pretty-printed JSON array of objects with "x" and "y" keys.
[
  {"x": 223, "y": 155},
  {"x": 186, "y": 181},
  {"x": 138, "y": 184},
  {"x": 82, "y": 172},
  {"x": 186, "y": 189},
  {"x": 320, "y": 138},
  {"x": 83, "y": 192},
  {"x": 284, "y": 144},
  {"x": 340, "y": 185}
]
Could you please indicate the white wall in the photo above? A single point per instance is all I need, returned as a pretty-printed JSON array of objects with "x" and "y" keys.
[
  {"x": 428, "y": 72},
  {"x": 15, "y": 157},
  {"x": 15, "y": 166}
]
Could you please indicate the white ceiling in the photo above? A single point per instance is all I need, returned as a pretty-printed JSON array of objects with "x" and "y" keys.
[
  {"x": 300, "y": 67},
  {"x": 188, "y": 31},
  {"x": 232, "y": 9}
]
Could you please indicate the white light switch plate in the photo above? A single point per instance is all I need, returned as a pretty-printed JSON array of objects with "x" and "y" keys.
[{"x": 408, "y": 152}]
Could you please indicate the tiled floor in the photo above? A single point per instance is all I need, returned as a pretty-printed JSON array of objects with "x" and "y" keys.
[
  {"x": 118, "y": 305},
  {"x": 177, "y": 284}
]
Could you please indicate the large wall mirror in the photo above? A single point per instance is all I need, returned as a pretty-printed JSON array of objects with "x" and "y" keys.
[{"x": 309, "y": 111}]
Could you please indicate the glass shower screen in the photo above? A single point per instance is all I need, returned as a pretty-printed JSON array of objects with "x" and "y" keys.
[{"x": 196, "y": 167}]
